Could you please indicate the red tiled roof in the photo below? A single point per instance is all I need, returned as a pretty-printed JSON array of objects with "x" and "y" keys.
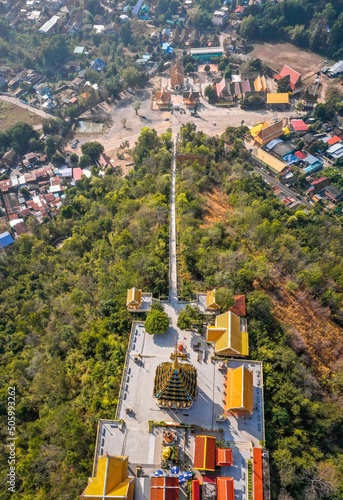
[
  {"x": 239, "y": 9},
  {"x": 196, "y": 490},
  {"x": 258, "y": 480},
  {"x": 13, "y": 216},
  {"x": 220, "y": 87},
  {"x": 25, "y": 212},
  {"x": 224, "y": 456},
  {"x": 293, "y": 75},
  {"x": 334, "y": 140},
  {"x": 225, "y": 490},
  {"x": 317, "y": 181},
  {"x": 299, "y": 125},
  {"x": 300, "y": 155},
  {"x": 49, "y": 197},
  {"x": 239, "y": 307},
  {"x": 205, "y": 453},
  {"x": 164, "y": 488}
]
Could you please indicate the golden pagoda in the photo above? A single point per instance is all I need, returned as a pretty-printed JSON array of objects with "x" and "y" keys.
[{"x": 175, "y": 384}]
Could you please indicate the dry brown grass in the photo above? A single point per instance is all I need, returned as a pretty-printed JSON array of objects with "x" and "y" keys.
[
  {"x": 10, "y": 114},
  {"x": 311, "y": 330},
  {"x": 216, "y": 208}
]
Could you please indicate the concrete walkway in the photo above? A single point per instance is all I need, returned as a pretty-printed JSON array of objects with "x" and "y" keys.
[{"x": 172, "y": 232}]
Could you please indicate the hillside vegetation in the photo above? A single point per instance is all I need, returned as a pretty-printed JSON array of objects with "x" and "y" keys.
[
  {"x": 289, "y": 265},
  {"x": 63, "y": 322}
]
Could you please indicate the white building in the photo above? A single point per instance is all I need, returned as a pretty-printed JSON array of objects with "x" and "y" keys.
[{"x": 220, "y": 16}]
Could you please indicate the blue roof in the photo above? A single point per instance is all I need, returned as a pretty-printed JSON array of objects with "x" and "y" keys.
[
  {"x": 291, "y": 159},
  {"x": 5, "y": 239},
  {"x": 137, "y": 8},
  {"x": 313, "y": 168},
  {"x": 312, "y": 160}
]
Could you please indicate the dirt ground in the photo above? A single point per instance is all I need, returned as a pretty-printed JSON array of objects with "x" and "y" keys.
[
  {"x": 217, "y": 207},
  {"x": 10, "y": 114},
  {"x": 277, "y": 54}
]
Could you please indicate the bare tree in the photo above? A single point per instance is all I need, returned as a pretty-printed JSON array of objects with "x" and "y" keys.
[{"x": 123, "y": 122}]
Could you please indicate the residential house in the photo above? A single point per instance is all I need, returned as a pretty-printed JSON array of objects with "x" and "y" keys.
[
  {"x": 5, "y": 240},
  {"x": 76, "y": 83},
  {"x": 317, "y": 185},
  {"x": 50, "y": 26},
  {"x": 220, "y": 17},
  {"x": 109, "y": 29},
  {"x": 333, "y": 194},
  {"x": 298, "y": 126},
  {"x": 98, "y": 64}
]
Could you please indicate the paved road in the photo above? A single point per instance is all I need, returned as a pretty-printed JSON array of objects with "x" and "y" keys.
[
  {"x": 284, "y": 189},
  {"x": 16, "y": 101}
]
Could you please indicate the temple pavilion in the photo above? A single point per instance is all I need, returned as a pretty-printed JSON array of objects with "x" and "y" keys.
[{"x": 175, "y": 384}]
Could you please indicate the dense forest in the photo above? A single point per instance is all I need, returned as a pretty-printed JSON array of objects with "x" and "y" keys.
[
  {"x": 63, "y": 322},
  {"x": 234, "y": 233},
  {"x": 307, "y": 24}
]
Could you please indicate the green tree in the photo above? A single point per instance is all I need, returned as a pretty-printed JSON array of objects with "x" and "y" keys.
[
  {"x": 210, "y": 92},
  {"x": 224, "y": 298},
  {"x": 249, "y": 28},
  {"x": 131, "y": 76},
  {"x": 85, "y": 161},
  {"x": 93, "y": 149},
  {"x": 57, "y": 160},
  {"x": 74, "y": 158},
  {"x": 189, "y": 68},
  {"x": 156, "y": 322}
]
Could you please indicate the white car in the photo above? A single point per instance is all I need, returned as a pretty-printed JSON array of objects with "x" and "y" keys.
[{"x": 214, "y": 123}]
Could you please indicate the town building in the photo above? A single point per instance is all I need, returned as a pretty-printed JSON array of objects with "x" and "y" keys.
[{"x": 333, "y": 194}]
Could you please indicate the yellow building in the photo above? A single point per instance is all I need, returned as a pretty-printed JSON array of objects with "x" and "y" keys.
[
  {"x": 274, "y": 164},
  {"x": 239, "y": 391},
  {"x": 134, "y": 298},
  {"x": 265, "y": 132},
  {"x": 111, "y": 481},
  {"x": 211, "y": 300},
  {"x": 278, "y": 98},
  {"x": 227, "y": 335},
  {"x": 260, "y": 84}
]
